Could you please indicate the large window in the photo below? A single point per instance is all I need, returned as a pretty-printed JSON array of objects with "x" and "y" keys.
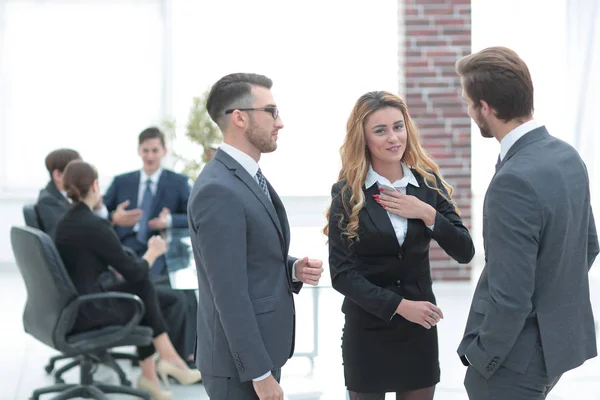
[
  {"x": 321, "y": 55},
  {"x": 86, "y": 75}
]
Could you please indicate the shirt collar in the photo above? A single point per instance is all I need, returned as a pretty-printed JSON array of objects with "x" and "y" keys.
[
  {"x": 509, "y": 140},
  {"x": 408, "y": 178},
  {"x": 65, "y": 196},
  {"x": 242, "y": 158},
  {"x": 154, "y": 177}
]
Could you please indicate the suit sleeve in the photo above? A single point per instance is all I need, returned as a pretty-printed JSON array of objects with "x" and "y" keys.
[
  {"x": 179, "y": 218},
  {"x": 513, "y": 234},
  {"x": 110, "y": 197},
  {"x": 592, "y": 248},
  {"x": 296, "y": 286},
  {"x": 50, "y": 212},
  {"x": 225, "y": 268},
  {"x": 344, "y": 276},
  {"x": 109, "y": 249},
  {"x": 449, "y": 231}
]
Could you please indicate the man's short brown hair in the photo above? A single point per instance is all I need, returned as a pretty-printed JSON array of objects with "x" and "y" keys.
[
  {"x": 498, "y": 76},
  {"x": 58, "y": 159},
  {"x": 151, "y": 133}
]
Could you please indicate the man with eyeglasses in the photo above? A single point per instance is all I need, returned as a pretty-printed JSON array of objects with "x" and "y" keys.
[{"x": 240, "y": 238}]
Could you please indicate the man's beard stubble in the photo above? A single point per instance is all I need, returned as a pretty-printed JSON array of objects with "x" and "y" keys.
[{"x": 260, "y": 139}]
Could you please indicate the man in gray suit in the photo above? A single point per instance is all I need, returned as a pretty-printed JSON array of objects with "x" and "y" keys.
[
  {"x": 52, "y": 202},
  {"x": 240, "y": 238},
  {"x": 531, "y": 317}
]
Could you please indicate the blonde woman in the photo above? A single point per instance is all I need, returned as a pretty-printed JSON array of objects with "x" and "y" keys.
[{"x": 389, "y": 202}]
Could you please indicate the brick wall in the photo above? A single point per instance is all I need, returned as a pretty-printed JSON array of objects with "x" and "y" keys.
[{"x": 436, "y": 33}]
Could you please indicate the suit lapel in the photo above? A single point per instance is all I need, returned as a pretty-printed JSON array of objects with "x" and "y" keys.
[
  {"x": 419, "y": 192},
  {"x": 134, "y": 188},
  {"x": 378, "y": 215},
  {"x": 282, "y": 216},
  {"x": 53, "y": 190},
  {"x": 160, "y": 188},
  {"x": 528, "y": 138},
  {"x": 243, "y": 175}
]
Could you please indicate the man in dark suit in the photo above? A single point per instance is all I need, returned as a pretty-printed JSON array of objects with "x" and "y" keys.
[
  {"x": 240, "y": 238},
  {"x": 147, "y": 202},
  {"x": 52, "y": 202},
  {"x": 531, "y": 317}
]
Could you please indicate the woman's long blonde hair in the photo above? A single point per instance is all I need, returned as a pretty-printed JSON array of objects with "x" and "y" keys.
[{"x": 356, "y": 158}]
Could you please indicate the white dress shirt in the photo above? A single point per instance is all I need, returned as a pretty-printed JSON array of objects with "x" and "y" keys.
[
  {"x": 399, "y": 223},
  {"x": 516, "y": 134},
  {"x": 154, "y": 178},
  {"x": 251, "y": 166}
]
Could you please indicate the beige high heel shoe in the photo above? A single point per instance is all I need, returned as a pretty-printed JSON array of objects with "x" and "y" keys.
[
  {"x": 153, "y": 388},
  {"x": 183, "y": 376}
]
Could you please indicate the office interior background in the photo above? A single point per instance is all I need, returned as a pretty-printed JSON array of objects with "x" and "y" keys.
[{"x": 92, "y": 74}]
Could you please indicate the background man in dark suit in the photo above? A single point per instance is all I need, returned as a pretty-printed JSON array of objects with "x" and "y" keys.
[
  {"x": 146, "y": 202},
  {"x": 52, "y": 202},
  {"x": 531, "y": 317},
  {"x": 241, "y": 237}
]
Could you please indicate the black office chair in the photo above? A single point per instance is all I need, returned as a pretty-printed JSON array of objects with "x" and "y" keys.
[
  {"x": 31, "y": 216},
  {"x": 33, "y": 220},
  {"x": 52, "y": 308}
]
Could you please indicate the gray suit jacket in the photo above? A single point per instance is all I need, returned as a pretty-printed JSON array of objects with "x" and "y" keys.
[
  {"x": 540, "y": 241},
  {"x": 240, "y": 241},
  {"x": 51, "y": 206}
]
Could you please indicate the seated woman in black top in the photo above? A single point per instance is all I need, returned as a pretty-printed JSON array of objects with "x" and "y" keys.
[
  {"x": 88, "y": 245},
  {"x": 389, "y": 203}
]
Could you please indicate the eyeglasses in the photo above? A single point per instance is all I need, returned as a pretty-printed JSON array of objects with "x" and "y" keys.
[{"x": 271, "y": 110}]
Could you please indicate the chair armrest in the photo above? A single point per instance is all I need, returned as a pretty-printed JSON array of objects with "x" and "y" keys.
[{"x": 69, "y": 315}]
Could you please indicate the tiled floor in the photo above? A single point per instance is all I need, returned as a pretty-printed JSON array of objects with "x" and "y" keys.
[{"x": 23, "y": 358}]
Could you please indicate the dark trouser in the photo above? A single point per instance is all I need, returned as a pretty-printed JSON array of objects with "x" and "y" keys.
[
  {"x": 152, "y": 316},
  {"x": 418, "y": 394},
  {"x": 180, "y": 319},
  {"x": 534, "y": 384},
  {"x": 224, "y": 388},
  {"x": 183, "y": 335}
]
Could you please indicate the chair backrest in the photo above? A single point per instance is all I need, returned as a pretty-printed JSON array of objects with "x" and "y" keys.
[
  {"x": 31, "y": 216},
  {"x": 49, "y": 287}
]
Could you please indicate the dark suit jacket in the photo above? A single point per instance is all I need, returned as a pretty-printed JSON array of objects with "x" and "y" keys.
[
  {"x": 240, "y": 241},
  {"x": 51, "y": 206},
  {"x": 540, "y": 241},
  {"x": 370, "y": 272},
  {"x": 87, "y": 245},
  {"x": 172, "y": 192}
]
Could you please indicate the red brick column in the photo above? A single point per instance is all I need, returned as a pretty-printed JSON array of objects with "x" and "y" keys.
[{"x": 436, "y": 34}]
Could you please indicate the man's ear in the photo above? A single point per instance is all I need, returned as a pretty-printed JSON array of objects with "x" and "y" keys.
[
  {"x": 57, "y": 176},
  {"x": 485, "y": 108},
  {"x": 238, "y": 119}
]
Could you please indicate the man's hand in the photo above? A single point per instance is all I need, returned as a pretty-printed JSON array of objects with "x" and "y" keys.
[
  {"x": 123, "y": 217},
  {"x": 161, "y": 221},
  {"x": 268, "y": 389},
  {"x": 309, "y": 270}
]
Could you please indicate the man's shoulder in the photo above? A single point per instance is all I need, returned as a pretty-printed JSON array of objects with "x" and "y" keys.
[
  {"x": 46, "y": 197},
  {"x": 125, "y": 177},
  {"x": 215, "y": 176},
  {"x": 175, "y": 176}
]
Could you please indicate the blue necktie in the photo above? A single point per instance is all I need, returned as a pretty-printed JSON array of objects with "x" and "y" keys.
[
  {"x": 262, "y": 182},
  {"x": 146, "y": 206}
]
